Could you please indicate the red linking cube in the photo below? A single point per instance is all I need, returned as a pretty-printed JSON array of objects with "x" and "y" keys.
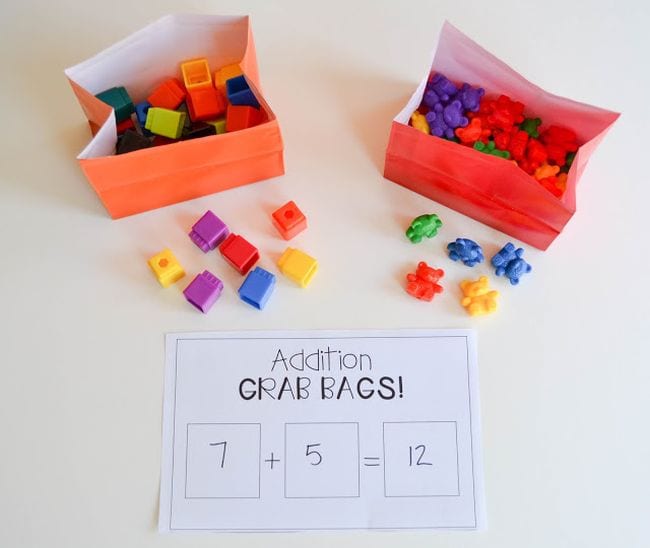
[
  {"x": 239, "y": 253},
  {"x": 289, "y": 220},
  {"x": 170, "y": 94}
]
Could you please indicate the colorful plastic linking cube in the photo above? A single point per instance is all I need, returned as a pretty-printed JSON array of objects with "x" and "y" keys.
[
  {"x": 478, "y": 299},
  {"x": 467, "y": 251},
  {"x": 203, "y": 291},
  {"x": 195, "y": 107},
  {"x": 424, "y": 226},
  {"x": 499, "y": 127},
  {"x": 239, "y": 253},
  {"x": 423, "y": 284},
  {"x": 210, "y": 232},
  {"x": 289, "y": 220},
  {"x": 298, "y": 266},
  {"x": 166, "y": 268},
  {"x": 257, "y": 288},
  {"x": 509, "y": 263}
]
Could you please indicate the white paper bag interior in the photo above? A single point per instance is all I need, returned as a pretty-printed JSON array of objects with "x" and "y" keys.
[
  {"x": 149, "y": 56},
  {"x": 462, "y": 60}
]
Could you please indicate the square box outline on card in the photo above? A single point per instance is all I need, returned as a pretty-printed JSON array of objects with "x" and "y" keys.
[
  {"x": 259, "y": 458},
  {"x": 383, "y": 429},
  {"x": 358, "y": 464}
]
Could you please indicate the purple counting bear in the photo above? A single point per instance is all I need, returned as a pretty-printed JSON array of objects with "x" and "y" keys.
[
  {"x": 470, "y": 97},
  {"x": 430, "y": 98},
  {"x": 443, "y": 88},
  {"x": 453, "y": 116},
  {"x": 437, "y": 124}
]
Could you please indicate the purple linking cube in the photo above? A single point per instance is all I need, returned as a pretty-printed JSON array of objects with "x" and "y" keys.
[
  {"x": 203, "y": 291},
  {"x": 208, "y": 232}
]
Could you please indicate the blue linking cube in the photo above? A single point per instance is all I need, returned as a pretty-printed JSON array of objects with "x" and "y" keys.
[
  {"x": 257, "y": 288},
  {"x": 465, "y": 250},
  {"x": 239, "y": 92},
  {"x": 141, "y": 110}
]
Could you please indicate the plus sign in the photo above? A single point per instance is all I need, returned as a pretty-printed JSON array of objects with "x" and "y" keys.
[{"x": 272, "y": 460}]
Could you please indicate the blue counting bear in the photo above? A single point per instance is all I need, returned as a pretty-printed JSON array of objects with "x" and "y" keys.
[
  {"x": 465, "y": 250},
  {"x": 509, "y": 262}
]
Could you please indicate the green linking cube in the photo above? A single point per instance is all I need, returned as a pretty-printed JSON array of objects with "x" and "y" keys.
[
  {"x": 219, "y": 125},
  {"x": 119, "y": 99},
  {"x": 165, "y": 122}
]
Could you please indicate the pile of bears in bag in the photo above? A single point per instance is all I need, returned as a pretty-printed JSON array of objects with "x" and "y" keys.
[{"x": 465, "y": 114}]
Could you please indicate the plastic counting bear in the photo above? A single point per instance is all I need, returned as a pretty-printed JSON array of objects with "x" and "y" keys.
[
  {"x": 423, "y": 284},
  {"x": 478, "y": 299}
]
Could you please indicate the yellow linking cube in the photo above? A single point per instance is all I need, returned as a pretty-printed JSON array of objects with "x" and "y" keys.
[
  {"x": 196, "y": 74},
  {"x": 226, "y": 73},
  {"x": 165, "y": 122},
  {"x": 298, "y": 266},
  {"x": 166, "y": 268}
]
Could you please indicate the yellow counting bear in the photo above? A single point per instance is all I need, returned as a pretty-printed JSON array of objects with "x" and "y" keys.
[
  {"x": 419, "y": 122},
  {"x": 478, "y": 299}
]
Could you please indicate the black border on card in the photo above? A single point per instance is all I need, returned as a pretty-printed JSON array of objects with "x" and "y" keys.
[{"x": 266, "y": 529}]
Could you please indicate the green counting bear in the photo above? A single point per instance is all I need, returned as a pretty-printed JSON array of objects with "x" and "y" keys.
[
  {"x": 423, "y": 226},
  {"x": 530, "y": 126},
  {"x": 490, "y": 148}
]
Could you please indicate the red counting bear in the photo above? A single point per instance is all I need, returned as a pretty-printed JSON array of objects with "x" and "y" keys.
[
  {"x": 423, "y": 284},
  {"x": 559, "y": 141}
]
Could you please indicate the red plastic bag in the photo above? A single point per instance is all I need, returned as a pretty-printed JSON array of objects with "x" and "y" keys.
[{"x": 490, "y": 189}]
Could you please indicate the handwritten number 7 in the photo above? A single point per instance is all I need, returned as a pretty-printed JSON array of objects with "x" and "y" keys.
[
  {"x": 223, "y": 454},
  {"x": 317, "y": 455}
]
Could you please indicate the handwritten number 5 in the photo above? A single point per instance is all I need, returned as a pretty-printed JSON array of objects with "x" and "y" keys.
[{"x": 317, "y": 455}]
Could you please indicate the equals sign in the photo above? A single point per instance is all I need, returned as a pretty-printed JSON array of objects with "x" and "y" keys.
[{"x": 371, "y": 461}]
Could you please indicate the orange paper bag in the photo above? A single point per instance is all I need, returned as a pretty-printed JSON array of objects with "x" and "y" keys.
[
  {"x": 162, "y": 175},
  {"x": 490, "y": 189}
]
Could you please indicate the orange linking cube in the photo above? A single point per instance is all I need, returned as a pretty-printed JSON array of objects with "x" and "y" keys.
[
  {"x": 224, "y": 74},
  {"x": 289, "y": 220},
  {"x": 196, "y": 74},
  {"x": 241, "y": 117},
  {"x": 205, "y": 104},
  {"x": 170, "y": 94}
]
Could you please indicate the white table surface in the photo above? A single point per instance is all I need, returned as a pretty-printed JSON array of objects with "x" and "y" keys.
[{"x": 564, "y": 367}]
